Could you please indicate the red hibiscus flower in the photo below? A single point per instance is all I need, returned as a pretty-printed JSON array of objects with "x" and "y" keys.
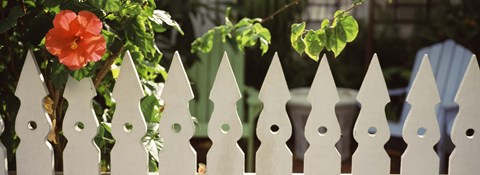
[{"x": 76, "y": 39}]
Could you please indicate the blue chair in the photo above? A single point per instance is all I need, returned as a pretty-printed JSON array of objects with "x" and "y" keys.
[{"x": 449, "y": 61}]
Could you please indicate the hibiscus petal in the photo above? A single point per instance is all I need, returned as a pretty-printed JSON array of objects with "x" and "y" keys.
[
  {"x": 93, "y": 48},
  {"x": 63, "y": 19},
  {"x": 73, "y": 61},
  {"x": 89, "y": 22},
  {"x": 58, "y": 41}
]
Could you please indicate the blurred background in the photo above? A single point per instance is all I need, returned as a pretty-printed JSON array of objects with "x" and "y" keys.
[{"x": 395, "y": 30}]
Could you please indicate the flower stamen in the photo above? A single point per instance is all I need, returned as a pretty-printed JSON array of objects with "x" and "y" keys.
[{"x": 74, "y": 44}]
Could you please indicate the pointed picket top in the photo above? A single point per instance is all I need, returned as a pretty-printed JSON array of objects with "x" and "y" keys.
[
  {"x": 225, "y": 79},
  {"x": 322, "y": 130},
  {"x": 273, "y": 127},
  {"x": 32, "y": 124},
  {"x": 464, "y": 159},
  {"x": 178, "y": 84},
  {"x": 371, "y": 129},
  {"x": 128, "y": 123},
  {"x": 80, "y": 126},
  {"x": 3, "y": 152},
  {"x": 176, "y": 127},
  {"x": 225, "y": 127},
  {"x": 421, "y": 131},
  {"x": 274, "y": 86},
  {"x": 374, "y": 83},
  {"x": 128, "y": 84},
  {"x": 31, "y": 77},
  {"x": 424, "y": 86}
]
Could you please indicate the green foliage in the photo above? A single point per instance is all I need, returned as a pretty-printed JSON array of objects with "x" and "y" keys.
[
  {"x": 127, "y": 25},
  {"x": 332, "y": 36},
  {"x": 246, "y": 33},
  {"x": 11, "y": 20}
]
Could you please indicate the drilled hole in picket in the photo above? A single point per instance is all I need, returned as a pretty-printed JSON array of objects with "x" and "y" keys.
[
  {"x": 225, "y": 128},
  {"x": 470, "y": 132},
  {"x": 421, "y": 132},
  {"x": 274, "y": 129},
  {"x": 372, "y": 131},
  {"x": 322, "y": 130},
  {"x": 176, "y": 128},
  {"x": 79, "y": 126},
  {"x": 128, "y": 127},
  {"x": 32, "y": 125}
]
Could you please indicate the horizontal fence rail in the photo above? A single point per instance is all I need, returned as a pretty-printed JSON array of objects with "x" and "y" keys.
[{"x": 177, "y": 157}]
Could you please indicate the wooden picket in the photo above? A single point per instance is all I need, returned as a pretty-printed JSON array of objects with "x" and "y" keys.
[
  {"x": 225, "y": 127},
  {"x": 421, "y": 131},
  {"x": 80, "y": 126},
  {"x": 322, "y": 129},
  {"x": 177, "y": 157},
  {"x": 465, "y": 159},
  {"x": 371, "y": 129}
]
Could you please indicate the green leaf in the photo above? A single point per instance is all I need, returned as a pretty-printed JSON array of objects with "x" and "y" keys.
[
  {"x": 107, "y": 5},
  {"x": 162, "y": 17},
  {"x": 313, "y": 46},
  {"x": 296, "y": 37},
  {"x": 109, "y": 37},
  {"x": 59, "y": 74},
  {"x": 138, "y": 1},
  {"x": 225, "y": 31},
  {"x": 264, "y": 45},
  {"x": 30, "y": 3},
  {"x": 297, "y": 29},
  {"x": 262, "y": 31},
  {"x": 150, "y": 109},
  {"x": 350, "y": 27},
  {"x": 299, "y": 45},
  {"x": 204, "y": 43},
  {"x": 325, "y": 23},
  {"x": 136, "y": 33},
  {"x": 80, "y": 73},
  {"x": 338, "y": 40},
  {"x": 11, "y": 20},
  {"x": 132, "y": 9}
]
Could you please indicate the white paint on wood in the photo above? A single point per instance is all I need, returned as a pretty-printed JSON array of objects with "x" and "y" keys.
[
  {"x": 322, "y": 130},
  {"x": 81, "y": 155},
  {"x": 464, "y": 159},
  {"x": 32, "y": 125},
  {"x": 371, "y": 129},
  {"x": 421, "y": 131},
  {"x": 128, "y": 155},
  {"x": 273, "y": 127},
  {"x": 177, "y": 156},
  {"x": 225, "y": 127}
]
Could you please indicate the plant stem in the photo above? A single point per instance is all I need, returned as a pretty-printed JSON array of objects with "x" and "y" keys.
[
  {"x": 349, "y": 9},
  {"x": 108, "y": 63},
  {"x": 285, "y": 7}
]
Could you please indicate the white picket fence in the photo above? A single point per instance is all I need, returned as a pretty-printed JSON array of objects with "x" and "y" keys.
[{"x": 129, "y": 156}]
